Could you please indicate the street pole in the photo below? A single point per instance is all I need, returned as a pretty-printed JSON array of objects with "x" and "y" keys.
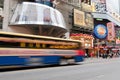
[{"x": 98, "y": 45}]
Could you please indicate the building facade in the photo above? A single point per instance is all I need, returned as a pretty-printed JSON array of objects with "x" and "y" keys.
[
  {"x": 80, "y": 17},
  {"x": 25, "y": 12}
]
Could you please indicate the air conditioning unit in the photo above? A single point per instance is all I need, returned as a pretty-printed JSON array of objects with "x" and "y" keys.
[{"x": 1, "y": 11}]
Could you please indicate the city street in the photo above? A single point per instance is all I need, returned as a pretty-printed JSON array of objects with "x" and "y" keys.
[
  {"x": 38, "y": 36},
  {"x": 104, "y": 69}
]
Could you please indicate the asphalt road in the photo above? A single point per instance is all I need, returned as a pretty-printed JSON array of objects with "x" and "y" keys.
[{"x": 103, "y": 70}]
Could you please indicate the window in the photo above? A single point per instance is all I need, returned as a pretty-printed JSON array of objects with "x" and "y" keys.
[
  {"x": 1, "y": 8},
  {"x": 74, "y": 2},
  {"x": 86, "y": 1}
]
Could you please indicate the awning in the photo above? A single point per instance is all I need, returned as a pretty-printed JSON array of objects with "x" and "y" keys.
[{"x": 106, "y": 16}]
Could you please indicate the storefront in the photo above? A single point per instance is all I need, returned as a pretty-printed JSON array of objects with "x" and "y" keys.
[{"x": 85, "y": 39}]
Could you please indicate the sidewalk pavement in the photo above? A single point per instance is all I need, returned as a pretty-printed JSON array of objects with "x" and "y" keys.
[{"x": 97, "y": 60}]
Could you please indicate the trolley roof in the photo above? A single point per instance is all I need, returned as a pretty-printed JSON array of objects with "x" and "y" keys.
[{"x": 36, "y": 36}]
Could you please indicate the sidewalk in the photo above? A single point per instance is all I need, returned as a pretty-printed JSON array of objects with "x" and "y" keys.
[{"x": 97, "y": 60}]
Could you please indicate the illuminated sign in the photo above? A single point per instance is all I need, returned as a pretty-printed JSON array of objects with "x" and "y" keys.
[
  {"x": 111, "y": 31},
  {"x": 100, "y": 31}
]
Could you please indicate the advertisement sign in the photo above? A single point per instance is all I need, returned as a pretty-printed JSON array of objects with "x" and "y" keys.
[
  {"x": 111, "y": 31},
  {"x": 98, "y": 6},
  {"x": 79, "y": 18},
  {"x": 100, "y": 31},
  {"x": 82, "y": 19}
]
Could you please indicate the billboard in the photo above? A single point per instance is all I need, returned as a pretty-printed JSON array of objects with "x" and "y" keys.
[
  {"x": 82, "y": 19},
  {"x": 111, "y": 31},
  {"x": 78, "y": 17}
]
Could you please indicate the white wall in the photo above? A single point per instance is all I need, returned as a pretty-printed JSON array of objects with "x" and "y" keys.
[{"x": 115, "y": 4}]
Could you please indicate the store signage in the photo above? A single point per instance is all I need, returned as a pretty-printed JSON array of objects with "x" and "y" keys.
[
  {"x": 85, "y": 39},
  {"x": 100, "y": 31},
  {"x": 111, "y": 31}
]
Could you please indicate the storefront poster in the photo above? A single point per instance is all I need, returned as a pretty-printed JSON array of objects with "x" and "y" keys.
[{"x": 111, "y": 31}]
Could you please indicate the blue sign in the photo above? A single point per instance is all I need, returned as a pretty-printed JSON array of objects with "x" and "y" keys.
[{"x": 100, "y": 31}]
